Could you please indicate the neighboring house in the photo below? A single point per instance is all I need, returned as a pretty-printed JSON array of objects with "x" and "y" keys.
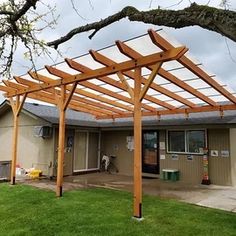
[{"x": 172, "y": 142}]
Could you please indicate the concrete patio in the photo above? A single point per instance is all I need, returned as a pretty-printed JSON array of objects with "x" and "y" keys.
[{"x": 213, "y": 196}]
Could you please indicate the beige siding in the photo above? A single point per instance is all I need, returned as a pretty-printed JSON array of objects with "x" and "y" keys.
[
  {"x": 190, "y": 171},
  {"x": 114, "y": 143},
  {"x": 233, "y": 155},
  {"x": 219, "y": 167},
  {"x": 31, "y": 150}
]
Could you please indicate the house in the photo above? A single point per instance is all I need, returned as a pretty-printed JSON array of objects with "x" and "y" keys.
[{"x": 174, "y": 142}]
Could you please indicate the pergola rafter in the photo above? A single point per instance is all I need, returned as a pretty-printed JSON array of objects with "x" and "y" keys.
[
  {"x": 119, "y": 89},
  {"x": 121, "y": 85},
  {"x": 108, "y": 62},
  {"x": 165, "y": 74},
  {"x": 50, "y": 98},
  {"x": 84, "y": 101},
  {"x": 186, "y": 62},
  {"x": 87, "y": 94}
]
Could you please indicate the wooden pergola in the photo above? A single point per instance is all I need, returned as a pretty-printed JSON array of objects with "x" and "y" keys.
[{"x": 119, "y": 82}]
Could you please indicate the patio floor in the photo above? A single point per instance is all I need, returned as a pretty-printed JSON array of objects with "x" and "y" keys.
[{"x": 219, "y": 197}]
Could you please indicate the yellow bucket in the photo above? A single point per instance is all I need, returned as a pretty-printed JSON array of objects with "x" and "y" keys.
[{"x": 34, "y": 174}]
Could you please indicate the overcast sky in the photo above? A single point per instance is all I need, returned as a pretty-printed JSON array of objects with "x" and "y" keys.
[{"x": 217, "y": 53}]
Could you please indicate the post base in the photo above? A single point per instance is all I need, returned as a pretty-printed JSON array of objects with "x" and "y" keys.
[
  {"x": 13, "y": 181},
  {"x": 59, "y": 191},
  {"x": 139, "y": 219}
]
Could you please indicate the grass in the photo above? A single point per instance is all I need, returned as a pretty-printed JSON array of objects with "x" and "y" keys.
[{"x": 25, "y": 210}]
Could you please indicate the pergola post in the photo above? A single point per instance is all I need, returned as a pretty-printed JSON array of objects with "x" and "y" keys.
[
  {"x": 63, "y": 102},
  {"x": 137, "y": 213},
  {"x": 61, "y": 142},
  {"x": 16, "y": 108},
  {"x": 61, "y": 147}
]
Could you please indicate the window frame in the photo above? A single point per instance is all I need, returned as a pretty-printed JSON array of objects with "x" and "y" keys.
[{"x": 185, "y": 141}]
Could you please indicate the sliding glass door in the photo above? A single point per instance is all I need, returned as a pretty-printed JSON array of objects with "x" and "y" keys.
[{"x": 86, "y": 150}]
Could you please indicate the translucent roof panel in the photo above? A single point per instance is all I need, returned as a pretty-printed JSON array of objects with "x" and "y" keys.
[
  {"x": 179, "y": 83},
  {"x": 88, "y": 61},
  {"x": 143, "y": 45}
]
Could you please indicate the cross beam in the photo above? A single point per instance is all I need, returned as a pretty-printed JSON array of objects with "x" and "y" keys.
[{"x": 123, "y": 66}]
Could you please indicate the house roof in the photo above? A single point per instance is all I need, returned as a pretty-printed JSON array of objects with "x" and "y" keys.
[{"x": 75, "y": 118}]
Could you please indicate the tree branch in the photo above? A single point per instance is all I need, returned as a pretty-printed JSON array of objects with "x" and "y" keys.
[
  {"x": 22, "y": 11},
  {"x": 210, "y": 18}
]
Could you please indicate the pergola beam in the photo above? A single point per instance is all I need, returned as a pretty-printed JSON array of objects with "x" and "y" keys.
[
  {"x": 126, "y": 85},
  {"x": 158, "y": 113},
  {"x": 149, "y": 80},
  {"x": 123, "y": 66}
]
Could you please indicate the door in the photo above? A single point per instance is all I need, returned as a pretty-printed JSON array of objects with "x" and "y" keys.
[
  {"x": 150, "y": 159},
  {"x": 86, "y": 151}
]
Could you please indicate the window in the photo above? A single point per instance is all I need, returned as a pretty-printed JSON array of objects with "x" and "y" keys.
[
  {"x": 186, "y": 141},
  {"x": 176, "y": 141}
]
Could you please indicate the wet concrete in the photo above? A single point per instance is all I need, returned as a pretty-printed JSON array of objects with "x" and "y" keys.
[{"x": 219, "y": 197}]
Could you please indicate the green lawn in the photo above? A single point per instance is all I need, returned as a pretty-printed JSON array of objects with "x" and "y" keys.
[{"x": 25, "y": 210}]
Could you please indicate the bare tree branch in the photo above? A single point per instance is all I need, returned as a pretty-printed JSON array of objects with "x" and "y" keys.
[
  {"x": 22, "y": 11},
  {"x": 210, "y": 18},
  {"x": 18, "y": 24}
]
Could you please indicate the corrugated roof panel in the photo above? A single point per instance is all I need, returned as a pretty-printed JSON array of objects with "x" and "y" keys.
[
  {"x": 114, "y": 54},
  {"x": 88, "y": 61},
  {"x": 219, "y": 99},
  {"x": 183, "y": 74},
  {"x": 112, "y": 88},
  {"x": 170, "y": 65},
  {"x": 143, "y": 45},
  {"x": 185, "y": 94},
  {"x": 196, "y": 84},
  {"x": 175, "y": 103}
]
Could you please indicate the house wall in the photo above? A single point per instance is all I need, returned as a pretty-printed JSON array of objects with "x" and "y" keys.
[
  {"x": 82, "y": 155},
  {"x": 32, "y": 150},
  {"x": 233, "y": 155},
  {"x": 114, "y": 143},
  {"x": 191, "y": 171}
]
